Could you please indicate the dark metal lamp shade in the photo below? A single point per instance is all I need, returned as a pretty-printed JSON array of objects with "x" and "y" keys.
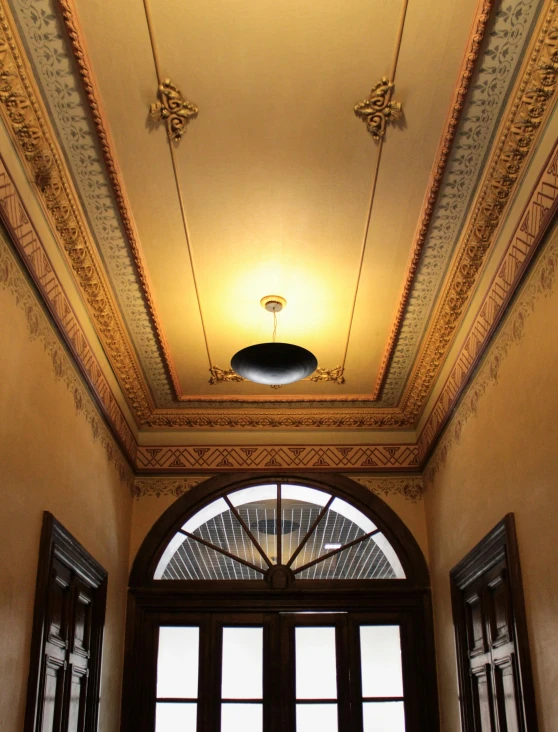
[{"x": 274, "y": 364}]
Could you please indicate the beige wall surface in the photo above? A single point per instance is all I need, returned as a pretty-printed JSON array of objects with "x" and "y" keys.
[
  {"x": 55, "y": 455},
  {"x": 500, "y": 455}
]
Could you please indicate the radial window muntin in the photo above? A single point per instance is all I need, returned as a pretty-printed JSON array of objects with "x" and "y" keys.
[{"x": 236, "y": 537}]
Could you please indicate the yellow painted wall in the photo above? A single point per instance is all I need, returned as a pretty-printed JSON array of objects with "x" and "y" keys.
[
  {"x": 500, "y": 455},
  {"x": 50, "y": 460}
]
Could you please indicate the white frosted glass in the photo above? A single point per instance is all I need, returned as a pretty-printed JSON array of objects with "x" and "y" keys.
[
  {"x": 176, "y": 717},
  {"x": 205, "y": 514},
  {"x": 380, "y": 656},
  {"x": 316, "y": 669},
  {"x": 384, "y": 717},
  {"x": 390, "y": 555},
  {"x": 242, "y": 676},
  {"x": 241, "y": 718},
  {"x": 353, "y": 514},
  {"x": 172, "y": 547},
  {"x": 177, "y": 662},
  {"x": 303, "y": 493},
  {"x": 316, "y": 718},
  {"x": 249, "y": 495}
]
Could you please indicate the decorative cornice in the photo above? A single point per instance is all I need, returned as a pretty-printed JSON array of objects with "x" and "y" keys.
[
  {"x": 378, "y": 109},
  {"x": 529, "y": 108},
  {"x": 530, "y": 230},
  {"x": 541, "y": 282},
  {"x": 32, "y": 136},
  {"x": 172, "y": 108},
  {"x": 436, "y": 177},
  {"x": 162, "y": 486},
  {"x": 40, "y": 329},
  {"x": 25, "y": 239},
  {"x": 70, "y": 18},
  {"x": 410, "y": 488},
  {"x": 218, "y": 459}
]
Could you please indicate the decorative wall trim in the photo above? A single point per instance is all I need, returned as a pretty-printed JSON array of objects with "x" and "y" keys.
[
  {"x": 541, "y": 282},
  {"x": 26, "y": 241},
  {"x": 163, "y": 486},
  {"x": 39, "y": 328},
  {"x": 529, "y": 232},
  {"x": 28, "y": 127},
  {"x": 217, "y": 459},
  {"x": 410, "y": 488},
  {"x": 529, "y": 109}
]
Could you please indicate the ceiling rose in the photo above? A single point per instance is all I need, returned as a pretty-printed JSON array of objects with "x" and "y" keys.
[{"x": 274, "y": 364}]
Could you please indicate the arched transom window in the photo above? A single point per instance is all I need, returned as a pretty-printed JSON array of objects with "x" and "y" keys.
[{"x": 279, "y": 532}]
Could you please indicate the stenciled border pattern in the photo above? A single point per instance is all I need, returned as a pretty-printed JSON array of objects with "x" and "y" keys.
[
  {"x": 30, "y": 248},
  {"x": 39, "y": 328},
  {"x": 541, "y": 282},
  {"x": 409, "y": 487},
  {"x": 35, "y": 141},
  {"x": 215, "y": 458},
  {"x": 529, "y": 232}
]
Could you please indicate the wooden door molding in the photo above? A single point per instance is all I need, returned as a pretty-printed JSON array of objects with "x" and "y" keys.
[
  {"x": 59, "y": 551},
  {"x": 494, "y": 560}
]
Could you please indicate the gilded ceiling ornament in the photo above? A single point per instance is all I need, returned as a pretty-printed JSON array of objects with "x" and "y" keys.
[
  {"x": 335, "y": 375},
  {"x": 378, "y": 109},
  {"x": 218, "y": 375},
  {"x": 173, "y": 109}
]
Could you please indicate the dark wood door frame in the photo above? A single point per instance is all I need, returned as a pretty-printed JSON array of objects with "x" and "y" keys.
[
  {"x": 498, "y": 547},
  {"x": 155, "y": 602},
  {"x": 58, "y": 546}
]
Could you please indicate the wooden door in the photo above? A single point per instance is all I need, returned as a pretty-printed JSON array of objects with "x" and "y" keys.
[
  {"x": 66, "y": 646},
  {"x": 496, "y": 686}
]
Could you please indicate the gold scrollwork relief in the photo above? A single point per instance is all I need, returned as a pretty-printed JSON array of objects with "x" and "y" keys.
[
  {"x": 335, "y": 375},
  {"x": 173, "y": 109},
  {"x": 378, "y": 108}
]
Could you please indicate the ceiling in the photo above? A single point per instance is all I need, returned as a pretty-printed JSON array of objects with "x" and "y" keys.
[{"x": 277, "y": 186}]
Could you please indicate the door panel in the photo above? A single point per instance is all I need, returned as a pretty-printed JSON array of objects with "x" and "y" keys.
[{"x": 496, "y": 685}]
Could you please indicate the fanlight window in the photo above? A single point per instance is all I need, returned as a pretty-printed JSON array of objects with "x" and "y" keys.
[{"x": 318, "y": 536}]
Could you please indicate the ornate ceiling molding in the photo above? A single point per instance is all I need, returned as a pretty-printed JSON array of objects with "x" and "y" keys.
[
  {"x": 218, "y": 459},
  {"x": 175, "y": 487},
  {"x": 25, "y": 239},
  {"x": 172, "y": 107},
  {"x": 530, "y": 107},
  {"x": 78, "y": 47},
  {"x": 529, "y": 232},
  {"x": 27, "y": 124},
  {"x": 378, "y": 110},
  {"x": 436, "y": 177}
]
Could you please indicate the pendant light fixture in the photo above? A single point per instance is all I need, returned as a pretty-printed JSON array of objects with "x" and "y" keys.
[{"x": 274, "y": 364}]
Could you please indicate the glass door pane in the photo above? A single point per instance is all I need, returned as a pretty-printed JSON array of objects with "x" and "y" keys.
[
  {"x": 177, "y": 679},
  {"x": 316, "y": 679},
  {"x": 384, "y": 717},
  {"x": 380, "y": 657},
  {"x": 315, "y": 658},
  {"x": 242, "y": 678}
]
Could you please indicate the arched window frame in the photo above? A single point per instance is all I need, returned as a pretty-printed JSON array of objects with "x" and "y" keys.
[
  {"x": 163, "y": 531},
  {"x": 405, "y": 602}
]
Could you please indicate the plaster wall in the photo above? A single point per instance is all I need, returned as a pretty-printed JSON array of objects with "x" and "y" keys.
[
  {"x": 54, "y": 455},
  {"x": 500, "y": 455}
]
